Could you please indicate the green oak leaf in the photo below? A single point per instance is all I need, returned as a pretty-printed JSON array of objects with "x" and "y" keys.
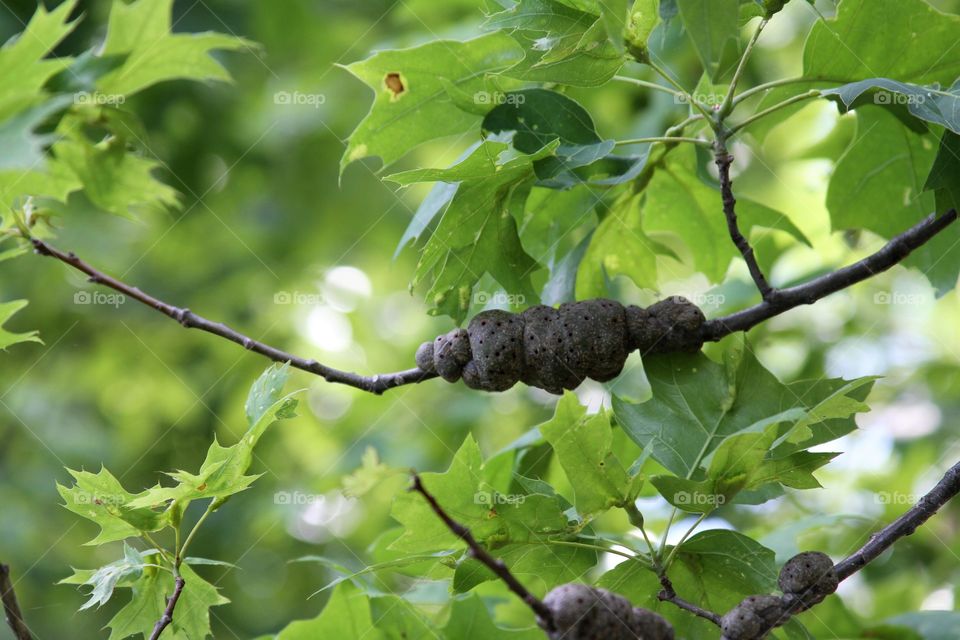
[
  {"x": 23, "y": 148},
  {"x": 618, "y": 247},
  {"x": 100, "y": 498},
  {"x": 540, "y": 567},
  {"x": 944, "y": 178},
  {"x": 140, "y": 30},
  {"x": 470, "y": 618},
  {"x": 582, "y": 444},
  {"x": 878, "y": 183},
  {"x": 713, "y": 569},
  {"x": 714, "y": 29},
  {"x": 561, "y": 43},
  {"x": 939, "y": 259},
  {"x": 698, "y": 403},
  {"x": 928, "y": 625},
  {"x": 149, "y": 600},
  {"x": 741, "y": 463},
  {"x": 477, "y": 232},
  {"x": 538, "y": 117},
  {"x": 346, "y": 615},
  {"x": 399, "y": 619},
  {"x": 7, "y": 309},
  {"x": 222, "y": 473},
  {"x": 856, "y": 43},
  {"x": 417, "y": 92},
  {"x": 474, "y": 493},
  {"x": 679, "y": 203},
  {"x": 106, "y": 579},
  {"x": 114, "y": 179},
  {"x": 23, "y": 66},
  {"x": 931, "y": 103},
  {"x": 890, "y": 178}
]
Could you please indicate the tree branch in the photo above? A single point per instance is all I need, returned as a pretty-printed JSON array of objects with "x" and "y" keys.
[
  {"x": 777, "y": 302},
  {"x": 668, "y": 594},
  {"x": 11, "y": 607},
  {"x": 889, "y": 255},
  {"x": 724, "y": 160},
  {"x": 374, "y": 384},
  {"x": 167, "y": 616},
  {"x": 495, "y": 565},
  {"x": 905, "y": 525}
]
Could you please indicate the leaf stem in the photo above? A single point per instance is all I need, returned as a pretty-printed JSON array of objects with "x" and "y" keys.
[
  {"x": 683, "y": 92},
  {"x": 182, "y": 550},
  {"x": 813, "y": 93},
  {"x": 727, "y": 106},
  {"x": 652, "y": 85},
  {"x": 693, "y": 527},
  {"x": 11, "y": 607},
  {"x": 760, "y": 88},
  {"x": 698, "y": 141}
]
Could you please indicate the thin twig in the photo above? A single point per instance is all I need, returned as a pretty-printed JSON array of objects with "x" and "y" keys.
[
  {"x": 667, "y": 594},
  {"x": 374, "y": 384},
  {"x": 889, "y": 255},
  {"x": 11, "y": 607},
  {"x": 167, "y": 616},
  {"x": 727, "y": 105},
  {"x": 495, "y": 565},
  {"x": 724, "y": 160},
  {"x": 905, "y": 525}
]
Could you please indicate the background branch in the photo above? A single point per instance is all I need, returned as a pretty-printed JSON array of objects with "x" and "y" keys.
[
  {"x": 11, "y": 608},
  {"x": 495, "y": 565}
]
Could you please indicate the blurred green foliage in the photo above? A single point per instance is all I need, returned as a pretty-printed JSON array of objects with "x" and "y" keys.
[{"x": 260, "y": 240}]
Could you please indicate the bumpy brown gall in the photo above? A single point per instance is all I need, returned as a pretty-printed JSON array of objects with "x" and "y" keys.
[
  {"x": 556, "y": 349},
  {"x": 807, "y": 578},
  {"x": 753, "y": 618},
  {"x": 581, "y": 612}
]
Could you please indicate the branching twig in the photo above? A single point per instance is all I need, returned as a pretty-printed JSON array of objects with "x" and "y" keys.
[
  {"x": 667, "y": 594},
  {"x": 375, "y": 384},
  {"x": 724, "y": 160},
  {"x": 167, "y": 617},
  {"x": 11, "y": 607},
  {"x": 495, "y": 565},
  {"x": 889, "y": 255}
]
